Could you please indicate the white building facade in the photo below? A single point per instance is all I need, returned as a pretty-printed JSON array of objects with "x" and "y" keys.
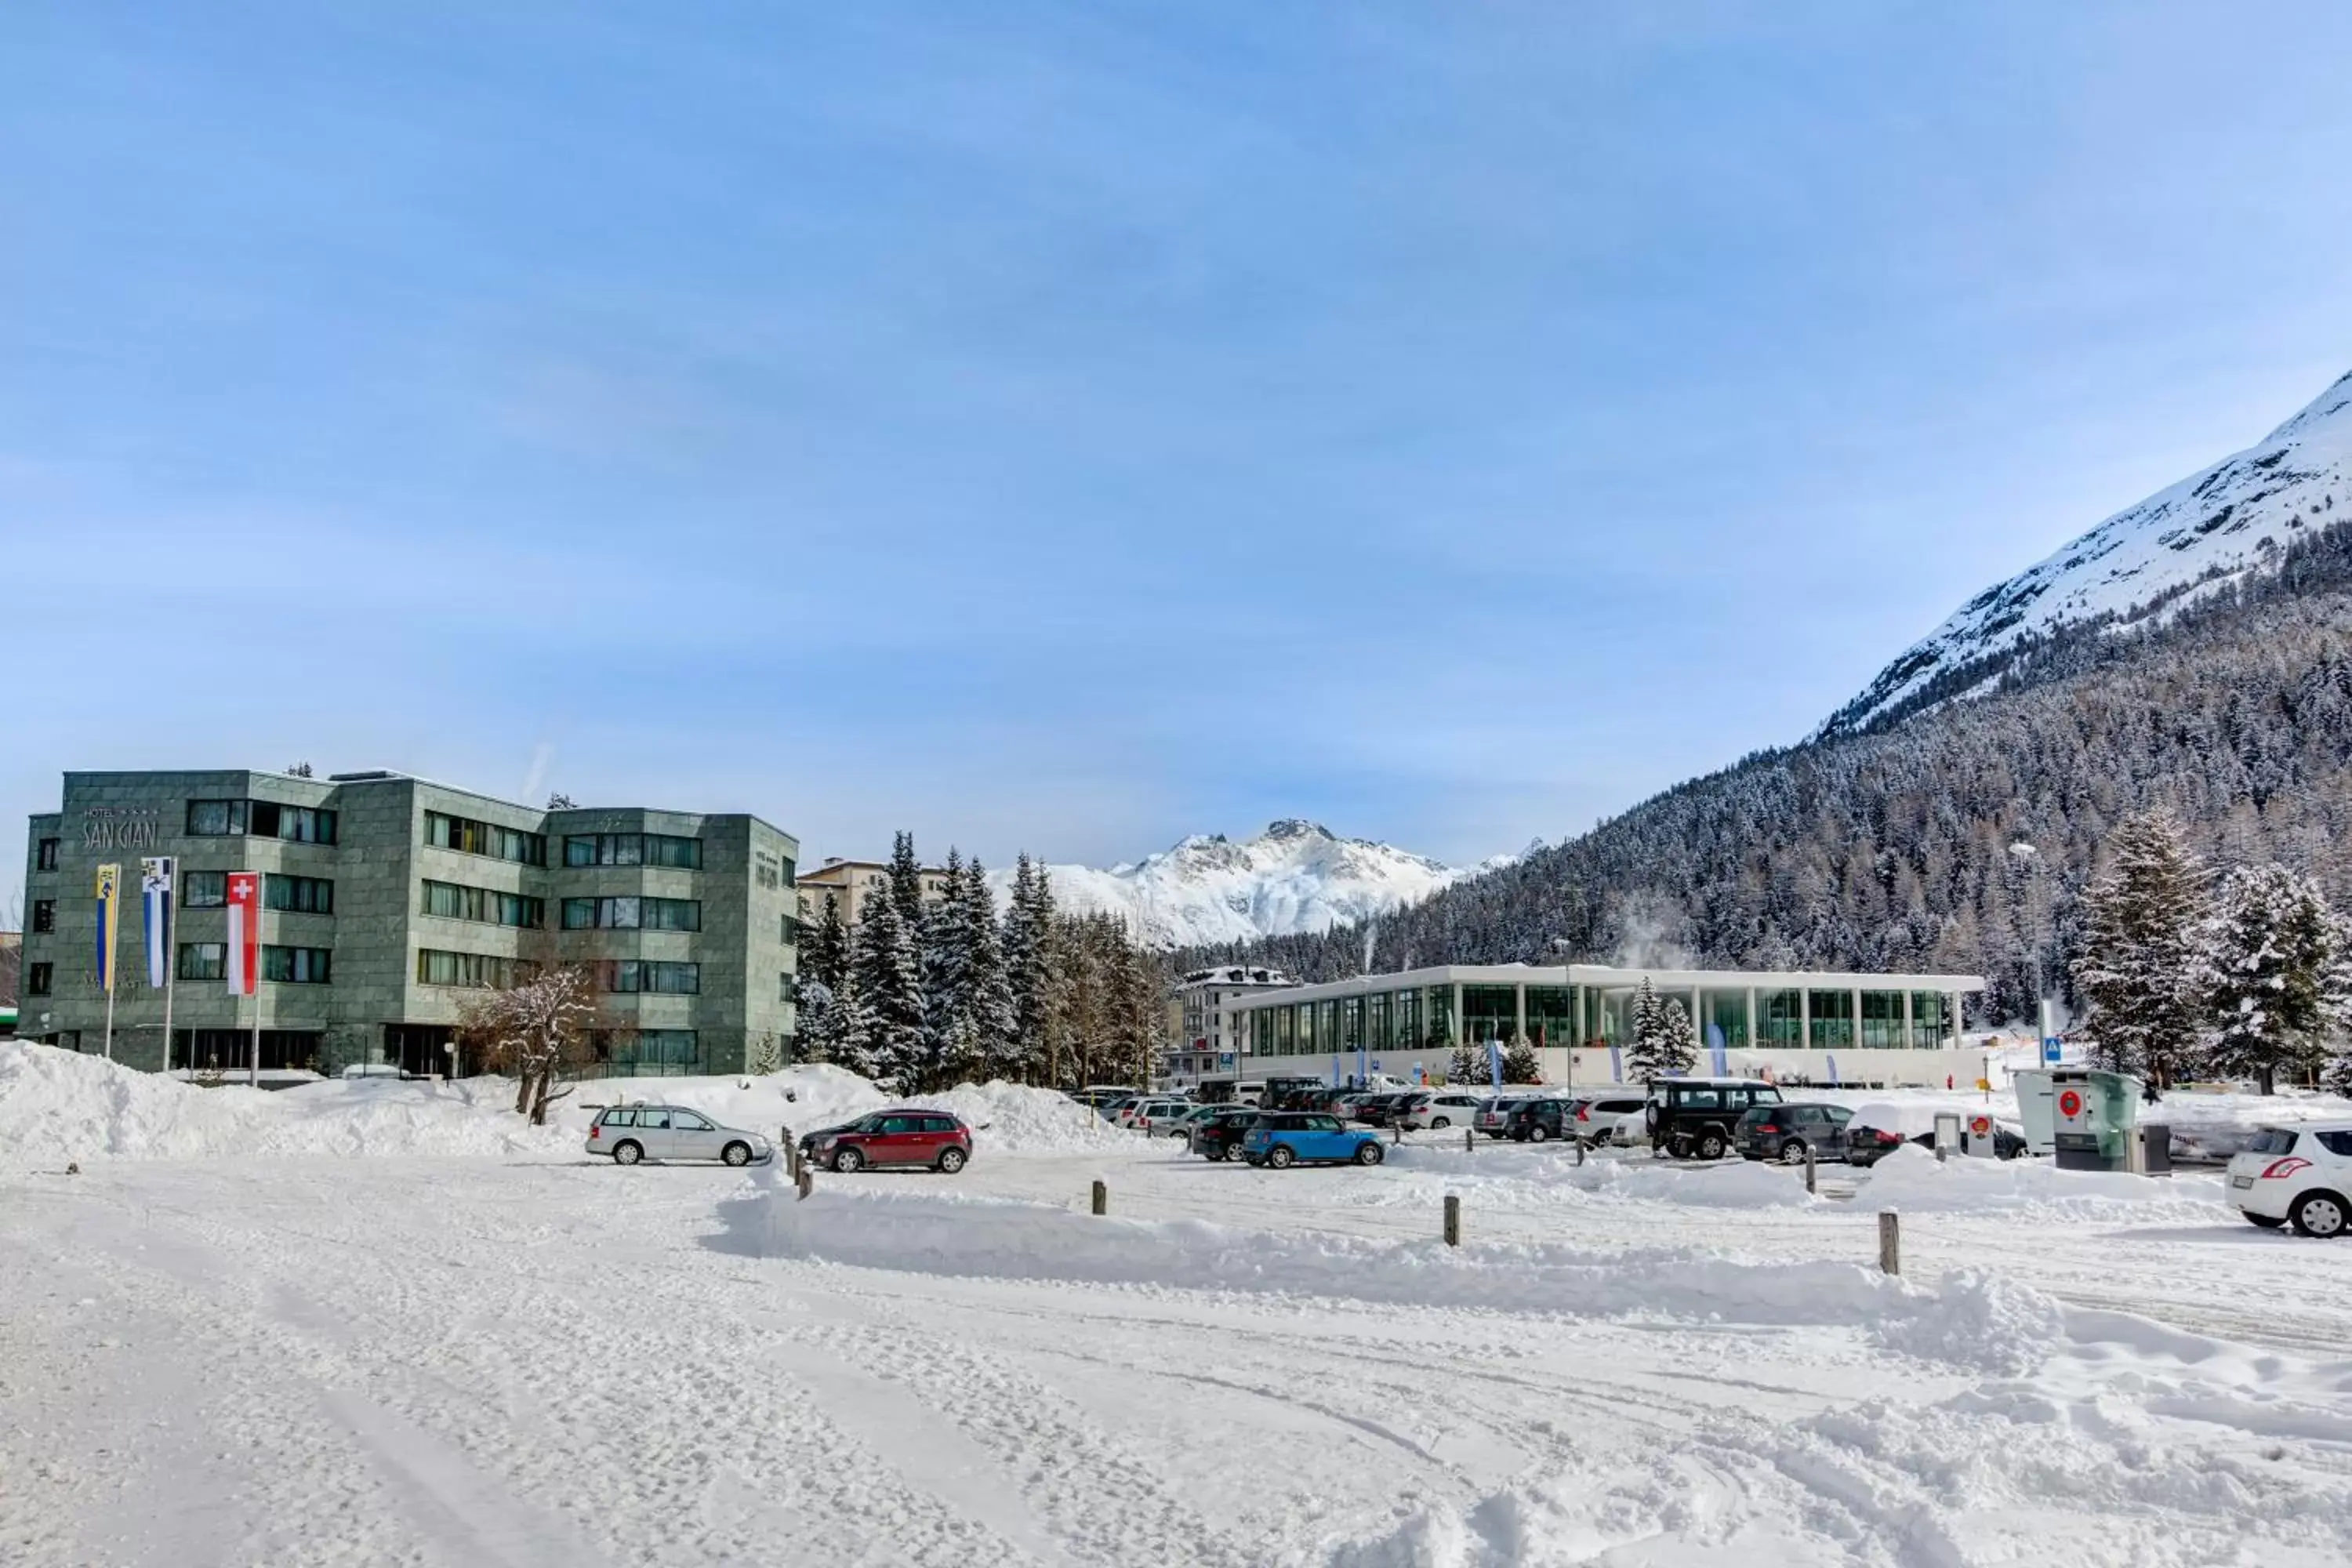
[
  {"x": 1802, "y": 1027},
  {"x": 1201, "y": 1044}
]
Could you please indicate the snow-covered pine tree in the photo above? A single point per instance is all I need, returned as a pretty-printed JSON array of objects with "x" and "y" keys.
[
  {"x": 889, "y": 989},
  {"x": 1520, "y": 1063},
  {"x": 2139, "y": 948},
  {"x": 1466, "y": 1065},
  {"x": 942, "y": 944},
  {"x": 2274, "y": 975},
  {"x": 988, "y": 990},
  {"x": 906, "y": 881},
  {"x": 1029, "y": 968},
  {"x": 824, "y": 946},
  {"x": 1662, "y": 1045}
]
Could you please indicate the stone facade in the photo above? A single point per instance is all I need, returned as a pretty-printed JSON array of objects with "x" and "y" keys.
[{"x": 383, "y": 1001}]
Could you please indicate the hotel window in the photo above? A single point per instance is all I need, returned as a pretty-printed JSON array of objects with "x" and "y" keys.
[
  {"x": 785, "y": 990},
  {"x": 299, "y": 895},
  {"x": 626, "y": 1051},
  {"x": 44, "y": 855},
  {"x": 478, "y": 969},
  {"x": 216, "y": 818},
  {"x": 203, "y": 961},
  {"x": 296, "y": 965},
  {"x": 632, "y": 914},
  {"x": 468, "y": 836},
  {"x": 453, "y": 901},
  {"x": 298, "y": 823},
  {"x": 204, "y": 890},
  {"x": 630, "y": 976},
  {"x": 791, "y": 936},
  {"x": 45, "y": 914},
  {"x": 633, "y": 849},
  {"x": 37, "y": 978}
]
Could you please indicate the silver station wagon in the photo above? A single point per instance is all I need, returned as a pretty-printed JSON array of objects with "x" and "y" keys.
[{"x": 633, "y": 1133}]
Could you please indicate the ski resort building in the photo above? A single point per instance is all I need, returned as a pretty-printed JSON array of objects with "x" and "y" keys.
[
  {"x": 1197, "y": 1044},
  {"x": 385, "y": 902},
  {"x": 1814, "y": 1027}
]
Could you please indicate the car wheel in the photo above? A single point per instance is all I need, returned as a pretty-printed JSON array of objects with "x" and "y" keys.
[
  {"x": 1439, "y": 1121},
  {"x": 849, "y": 1160},
  {"x": 1538, "y": 1133},
  {"x": 1711, "y": 1145},
  {"x": 627, "y": 1152},
  {"x": 2320, "y": 1215},
  {"x": 2267, "y": 1220},
  {"x": 1368, "y": 1152},
  {"x": 1792, "y": 1152},
  {"x": 1280, "y": 1157},
  {"x": 950, "y": 1161}
]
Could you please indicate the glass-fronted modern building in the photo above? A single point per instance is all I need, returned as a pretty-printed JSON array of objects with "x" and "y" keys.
[
  {"x": 1887, "y": 1027},
  {"x": 387, "y": 901}
]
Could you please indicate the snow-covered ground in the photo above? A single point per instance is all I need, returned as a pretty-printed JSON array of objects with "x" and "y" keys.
[{"x": 518, "y": 1355}]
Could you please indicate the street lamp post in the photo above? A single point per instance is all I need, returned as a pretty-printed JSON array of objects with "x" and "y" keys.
[{"x": 1560, "y": 945}]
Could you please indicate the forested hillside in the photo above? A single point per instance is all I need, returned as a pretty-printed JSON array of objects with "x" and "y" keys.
[{"x": 1958, "y": 838}]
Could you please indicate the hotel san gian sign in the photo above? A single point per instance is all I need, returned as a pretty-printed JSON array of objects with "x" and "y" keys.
[{"x": 121, "y": 828}]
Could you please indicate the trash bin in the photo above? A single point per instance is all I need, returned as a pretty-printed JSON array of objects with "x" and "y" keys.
[
  {"x": 2155, "y": 1149},
  {"x": 2096, "y": 1118}
]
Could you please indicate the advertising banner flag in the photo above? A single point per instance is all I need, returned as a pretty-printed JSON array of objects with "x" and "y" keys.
[
  {"x": 1715, "y": 1044},
  {"x": 244, "y": 931},
  {"x": 1495, "y": 1061},
  {"x": 109, "y": 918},
  {"x": 155, "y": 899}
]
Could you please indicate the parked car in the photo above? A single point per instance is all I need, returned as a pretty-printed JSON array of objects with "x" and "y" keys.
[
  {"x": 1281, "y": 1139},
  {"x": 1598, "y": 1115},
  {"x": 378, "y": 1069},
  {"x": 1379, "y": 1109},
  {"x": 1866, "y": 1145},
  {"x": 2296, "y": 1175},
  {"x": 1219, "y": 1136},
  {"x": 1158, "y": 1118},
  {"x": 1099, "y": 1094},
  {"x": 1695, "y": 1116},
  {"x": 628, "y": 1134},
  {"x": 1495, "y": 1113},
  {"x": 1785, "y": 1131},
  {"x": 905, "y": 1135},
  {"x": 1435, "y": 1109}
]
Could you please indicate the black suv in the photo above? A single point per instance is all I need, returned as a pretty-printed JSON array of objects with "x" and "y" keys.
[
  {"x": 1539, "y": 1121},
  {"x": 1697, "y": 1116},
  {"x": 1219, "y": 1137},
  {"x": 1785, "y": 1132}
]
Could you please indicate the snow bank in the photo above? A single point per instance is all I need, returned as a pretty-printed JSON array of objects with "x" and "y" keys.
[
  {"x": 1975, "y": 1321},
  {"x": 1912, "y": 1179},
  {"x": 59, "y": 1105},
  {"x": 2160, "y": 1476},
  {"x": 1517, "y": 1177},
  {"x": 1007, "y": 1118}
]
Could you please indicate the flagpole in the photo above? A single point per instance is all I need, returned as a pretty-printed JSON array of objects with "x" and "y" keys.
[
  {"x": 110, "y": 1022},
  {"x": 253, "y": 1076},
  {"x": 171, "y": 970}
]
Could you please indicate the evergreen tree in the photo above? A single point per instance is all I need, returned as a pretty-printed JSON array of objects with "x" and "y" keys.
[
  {"x": 2137, "y": 964},
  {"x": 1467, "y": 1065},
  {"x": 2277, "y": 986},
  {"x": 824, "y": 947},
  {"x": 839, "y": 1028},
  {"x": 1662, "y": 1045},
  {"x": 1029, "y": 969},
  {"x": 1520, "y": 1063},
  {"x": 906, "y": 881},
  {"x": 988, "y": 989},
  {"x": 943, "y": 954},
  {"x": 888, "y": 987}
]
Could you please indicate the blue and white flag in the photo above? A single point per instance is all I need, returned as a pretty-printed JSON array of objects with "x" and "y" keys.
[
  {"x": 1832, "y": 1072},
  {"x": 1495, "y": 1062},
  {"x": 1722, "y": 1057},
  {"x": 1616, "y": 1065},
  {"x": 155, "y": 901}
]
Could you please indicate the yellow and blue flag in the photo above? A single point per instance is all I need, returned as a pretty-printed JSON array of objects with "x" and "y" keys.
[{"x": 110, "y": 916}]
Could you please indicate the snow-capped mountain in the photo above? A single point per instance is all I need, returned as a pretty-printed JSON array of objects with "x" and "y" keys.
[
  {"x": 1294, "y": 877},
  {"x": 2234, "y": 518}
]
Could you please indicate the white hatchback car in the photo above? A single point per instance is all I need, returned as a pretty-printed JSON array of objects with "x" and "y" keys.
[
  {"x": 2296, "y": 1175},
  {"x": 1438, "y": 1107},
  {"x": 1158, "y": 1118},
  {"x": 628, "y": 1134}
]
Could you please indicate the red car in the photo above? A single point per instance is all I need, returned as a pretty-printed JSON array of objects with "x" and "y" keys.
[{"x": 912, "y": 1135}]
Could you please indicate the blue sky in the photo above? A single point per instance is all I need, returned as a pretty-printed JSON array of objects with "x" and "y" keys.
[{"x": 1069, "y": 428}]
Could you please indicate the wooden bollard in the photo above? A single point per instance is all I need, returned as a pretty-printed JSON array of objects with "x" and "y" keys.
[
  {"x": 1102, "y": 1197},
  {"x": 1580, "y": 1151},
  {"x": 1809, "y": 1170},
  {"x": 1469, "y": 1140},
  {"x": 1890, "y": 1242},
  {"x": 805, "y": 1182},
  {"x": 1452, "y": 1220}
]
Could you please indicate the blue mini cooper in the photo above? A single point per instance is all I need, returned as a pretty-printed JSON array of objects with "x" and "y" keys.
[{"x": 1286, "y": 1138}]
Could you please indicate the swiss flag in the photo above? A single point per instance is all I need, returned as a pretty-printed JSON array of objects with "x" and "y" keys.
[{"x": 244, "y": 931}]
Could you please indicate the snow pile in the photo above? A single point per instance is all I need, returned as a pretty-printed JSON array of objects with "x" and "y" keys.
[
  {"x": 1978, "y": 1321},
  {"x": 58, "y": 1105},
  {"x": 2155, "y": 1475},
  {"x": 1006, "y": 1118},
  {"x": 1514, "y": 1178},
  {"x": 1913, "y": 1180}
]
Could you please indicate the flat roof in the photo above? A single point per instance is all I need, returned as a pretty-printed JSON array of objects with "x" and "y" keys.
[{"x": 1607, "y": 976}]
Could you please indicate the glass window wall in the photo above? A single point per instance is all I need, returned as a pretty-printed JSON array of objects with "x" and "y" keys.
[
  {"x": 1780, "y": 1018},
  {"x": 1832, "y": 1019},
  {"x": 1551, "y": 1020},
  {"x": 1489, "y": 1012},
  {"x": 1726, "y": 1013},
  {"x": 1437, "y": 1016},
  {"x": 1931, "y": 1027},
  {"x": 1881, "y": 1021}
]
